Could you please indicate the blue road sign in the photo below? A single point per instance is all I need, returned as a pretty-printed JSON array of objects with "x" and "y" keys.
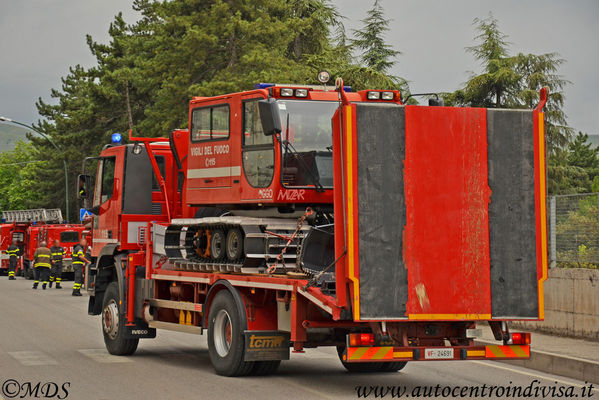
[{"x": 83, "y": 214}]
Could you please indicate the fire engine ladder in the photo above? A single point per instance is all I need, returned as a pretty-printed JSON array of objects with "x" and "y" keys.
[{"x": 53, "y": 215}]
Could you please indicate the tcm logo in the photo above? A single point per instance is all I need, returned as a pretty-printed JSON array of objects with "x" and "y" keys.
[
  {"x": 266, "y": 342},
  {"x": 48, "y": 390}
]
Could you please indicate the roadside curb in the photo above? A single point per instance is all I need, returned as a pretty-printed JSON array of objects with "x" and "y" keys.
[{"x": 557, "y": 364}]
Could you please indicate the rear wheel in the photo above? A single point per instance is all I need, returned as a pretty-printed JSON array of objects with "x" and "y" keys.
[
  {"x": 113, "y": 324},
  {"x": 226, "y": 344},
  {"x": 369, "y": 367}
]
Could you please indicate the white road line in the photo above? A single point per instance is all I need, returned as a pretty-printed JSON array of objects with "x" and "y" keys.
[
  {"x": 30, "y": 358},
  {"x": 536, "y": 375},
  {"x": 103, "y": 356}
]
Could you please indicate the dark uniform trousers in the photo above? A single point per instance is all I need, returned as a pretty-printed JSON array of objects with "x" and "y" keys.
[
  {"x": 56, "y": 271},
  {"x": 78, "y": 255},
  {"x": 41, "y": 266},
  {"x": 13, "y": 253}
]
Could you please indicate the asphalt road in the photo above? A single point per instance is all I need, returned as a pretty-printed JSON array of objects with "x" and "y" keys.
[{"x": 47, "y": 336}]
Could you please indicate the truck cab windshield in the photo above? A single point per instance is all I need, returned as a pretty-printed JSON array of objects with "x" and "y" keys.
[{"x": 307, "y": 142}]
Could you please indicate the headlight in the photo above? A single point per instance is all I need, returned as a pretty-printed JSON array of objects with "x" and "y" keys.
[
  {"x": 301, "y": 92},
  {"x": 387, "y": 95},
  {"x": 374, "y": 95},
  {"x": 286, "y": 92},
  {"x": 323, "y": 77}
]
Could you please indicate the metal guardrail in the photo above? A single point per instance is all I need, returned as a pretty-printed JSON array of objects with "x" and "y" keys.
[{"x": 574, "y": 230}]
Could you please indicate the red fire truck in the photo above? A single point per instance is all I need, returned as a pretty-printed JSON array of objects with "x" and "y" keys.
[
  {"x": 30, "y": 227},
  {"x": 291, "y": 216}
]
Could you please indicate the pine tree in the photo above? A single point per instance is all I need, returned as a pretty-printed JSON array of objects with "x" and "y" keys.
[{"x": 376, "y": 53}]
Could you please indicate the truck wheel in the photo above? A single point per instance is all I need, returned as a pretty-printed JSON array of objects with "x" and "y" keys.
[
  {"x": 262, "y": 368},
  {"x": 217, "y": 244},
  {"x": 234, "y": 244},
  {"x": 113, "y": 324},
  {"x": 365, "y": 367},
  {"x": 393, "y": 366},
  {"x": 226, "y": 344}
]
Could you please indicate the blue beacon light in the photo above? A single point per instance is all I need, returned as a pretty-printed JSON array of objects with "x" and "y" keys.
[{"x": 117, "y": 138}]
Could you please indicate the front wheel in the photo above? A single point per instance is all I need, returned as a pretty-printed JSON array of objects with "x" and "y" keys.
[
  {"x": 226, "y": 343},
  {"x": 113, "y": 324}
]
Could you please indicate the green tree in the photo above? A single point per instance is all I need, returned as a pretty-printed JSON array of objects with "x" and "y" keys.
[
  {"x": 514, "y": 81},
  {"x": 19, "y": 187},
  {"x": 574, "y": 169},
  {"x": 376, "y": 53}
]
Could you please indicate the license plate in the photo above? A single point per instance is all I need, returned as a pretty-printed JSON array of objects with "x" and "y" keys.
[{"x": 438, "y": 354}]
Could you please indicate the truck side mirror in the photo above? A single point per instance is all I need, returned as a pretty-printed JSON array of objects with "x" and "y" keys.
[
  {"x": 269, "y": 116},
  {"x": 85, "y": 188}
]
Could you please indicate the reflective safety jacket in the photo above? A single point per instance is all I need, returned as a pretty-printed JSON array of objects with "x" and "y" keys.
[
  {"x": 13, "y": 252},
  {"x": 41, "y": 257},
  {"x": 58, "y": 253},
  {"x": 78, "y": 255}
]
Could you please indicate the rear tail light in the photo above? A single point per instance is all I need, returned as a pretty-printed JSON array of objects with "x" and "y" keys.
[
  {"x": 521, "y": 338},
  {"x": 361, "y": 339}
]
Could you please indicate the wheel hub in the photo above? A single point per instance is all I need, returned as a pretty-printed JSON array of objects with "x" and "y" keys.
[
  {"x": 110, "y": 319},
  {"x": 223, "y": 336}
]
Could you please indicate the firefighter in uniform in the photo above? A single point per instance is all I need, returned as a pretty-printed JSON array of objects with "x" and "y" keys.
[
  {"x": 41, "y": 265},
  {"x": 79, "y": 260},
  {"x": 58, "y": 253},
  {"x": 13, "y": 253}
]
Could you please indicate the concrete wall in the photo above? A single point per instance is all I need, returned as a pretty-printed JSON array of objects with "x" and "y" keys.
[{"x": 571, "y": 304}]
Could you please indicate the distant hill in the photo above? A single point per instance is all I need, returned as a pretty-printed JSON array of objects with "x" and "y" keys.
[{"x": 10, "y": 135}]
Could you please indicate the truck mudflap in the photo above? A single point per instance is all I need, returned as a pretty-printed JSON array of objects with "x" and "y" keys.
[{"x": 388, "y": 353}]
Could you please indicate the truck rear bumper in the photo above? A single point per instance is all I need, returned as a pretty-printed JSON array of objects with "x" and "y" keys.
[{"x": 388, "y": 353}]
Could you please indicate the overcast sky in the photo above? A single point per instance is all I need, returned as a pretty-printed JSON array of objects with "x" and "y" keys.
[{"x": 40, "y": 39}]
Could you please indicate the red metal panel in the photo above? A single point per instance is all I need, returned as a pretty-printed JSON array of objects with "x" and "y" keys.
[{"x": 446, "y": 242}]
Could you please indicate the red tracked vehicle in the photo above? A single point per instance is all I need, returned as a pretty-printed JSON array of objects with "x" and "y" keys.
[{"x": 291, "y": 217}]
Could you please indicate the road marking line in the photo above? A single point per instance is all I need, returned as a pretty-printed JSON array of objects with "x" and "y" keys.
[
  {"x": 103, "y": 356},
  {"x": 538, "y": 375},
  {"x": 30, "y": 358}
]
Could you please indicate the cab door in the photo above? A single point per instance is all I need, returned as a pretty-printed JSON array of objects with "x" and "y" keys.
[
  {"x": 210, "y": 157},
  {"x": 107, "y": 202}
]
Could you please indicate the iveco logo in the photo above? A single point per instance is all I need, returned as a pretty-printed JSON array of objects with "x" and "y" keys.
[{"x": 139, "y": 332}]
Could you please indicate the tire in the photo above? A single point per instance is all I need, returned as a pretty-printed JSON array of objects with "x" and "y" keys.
[
  {"x": 217, "y": 244},
  {"x": 263, "y": 368},
  {"x": 393, "y": 366},
  {"x": 369, "y": 367},
  {"x": 234, "y": 244},
  {"x": 113, "y": 323},
  {"x": 226, "y": 343}
]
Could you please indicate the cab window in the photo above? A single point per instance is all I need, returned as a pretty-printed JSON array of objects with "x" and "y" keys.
[
  {"x": 105, "y": 180},
  {"x": 210, "y": 123},
  {"x": 258, "y": 152}
]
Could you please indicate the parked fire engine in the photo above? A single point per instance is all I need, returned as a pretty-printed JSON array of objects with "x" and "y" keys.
[
  {"x": 290, "y": 217},
  {"x": 30, "y": 227}
]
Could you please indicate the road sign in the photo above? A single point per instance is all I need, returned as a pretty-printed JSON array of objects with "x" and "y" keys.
[{"x": 84, "y": 214}]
